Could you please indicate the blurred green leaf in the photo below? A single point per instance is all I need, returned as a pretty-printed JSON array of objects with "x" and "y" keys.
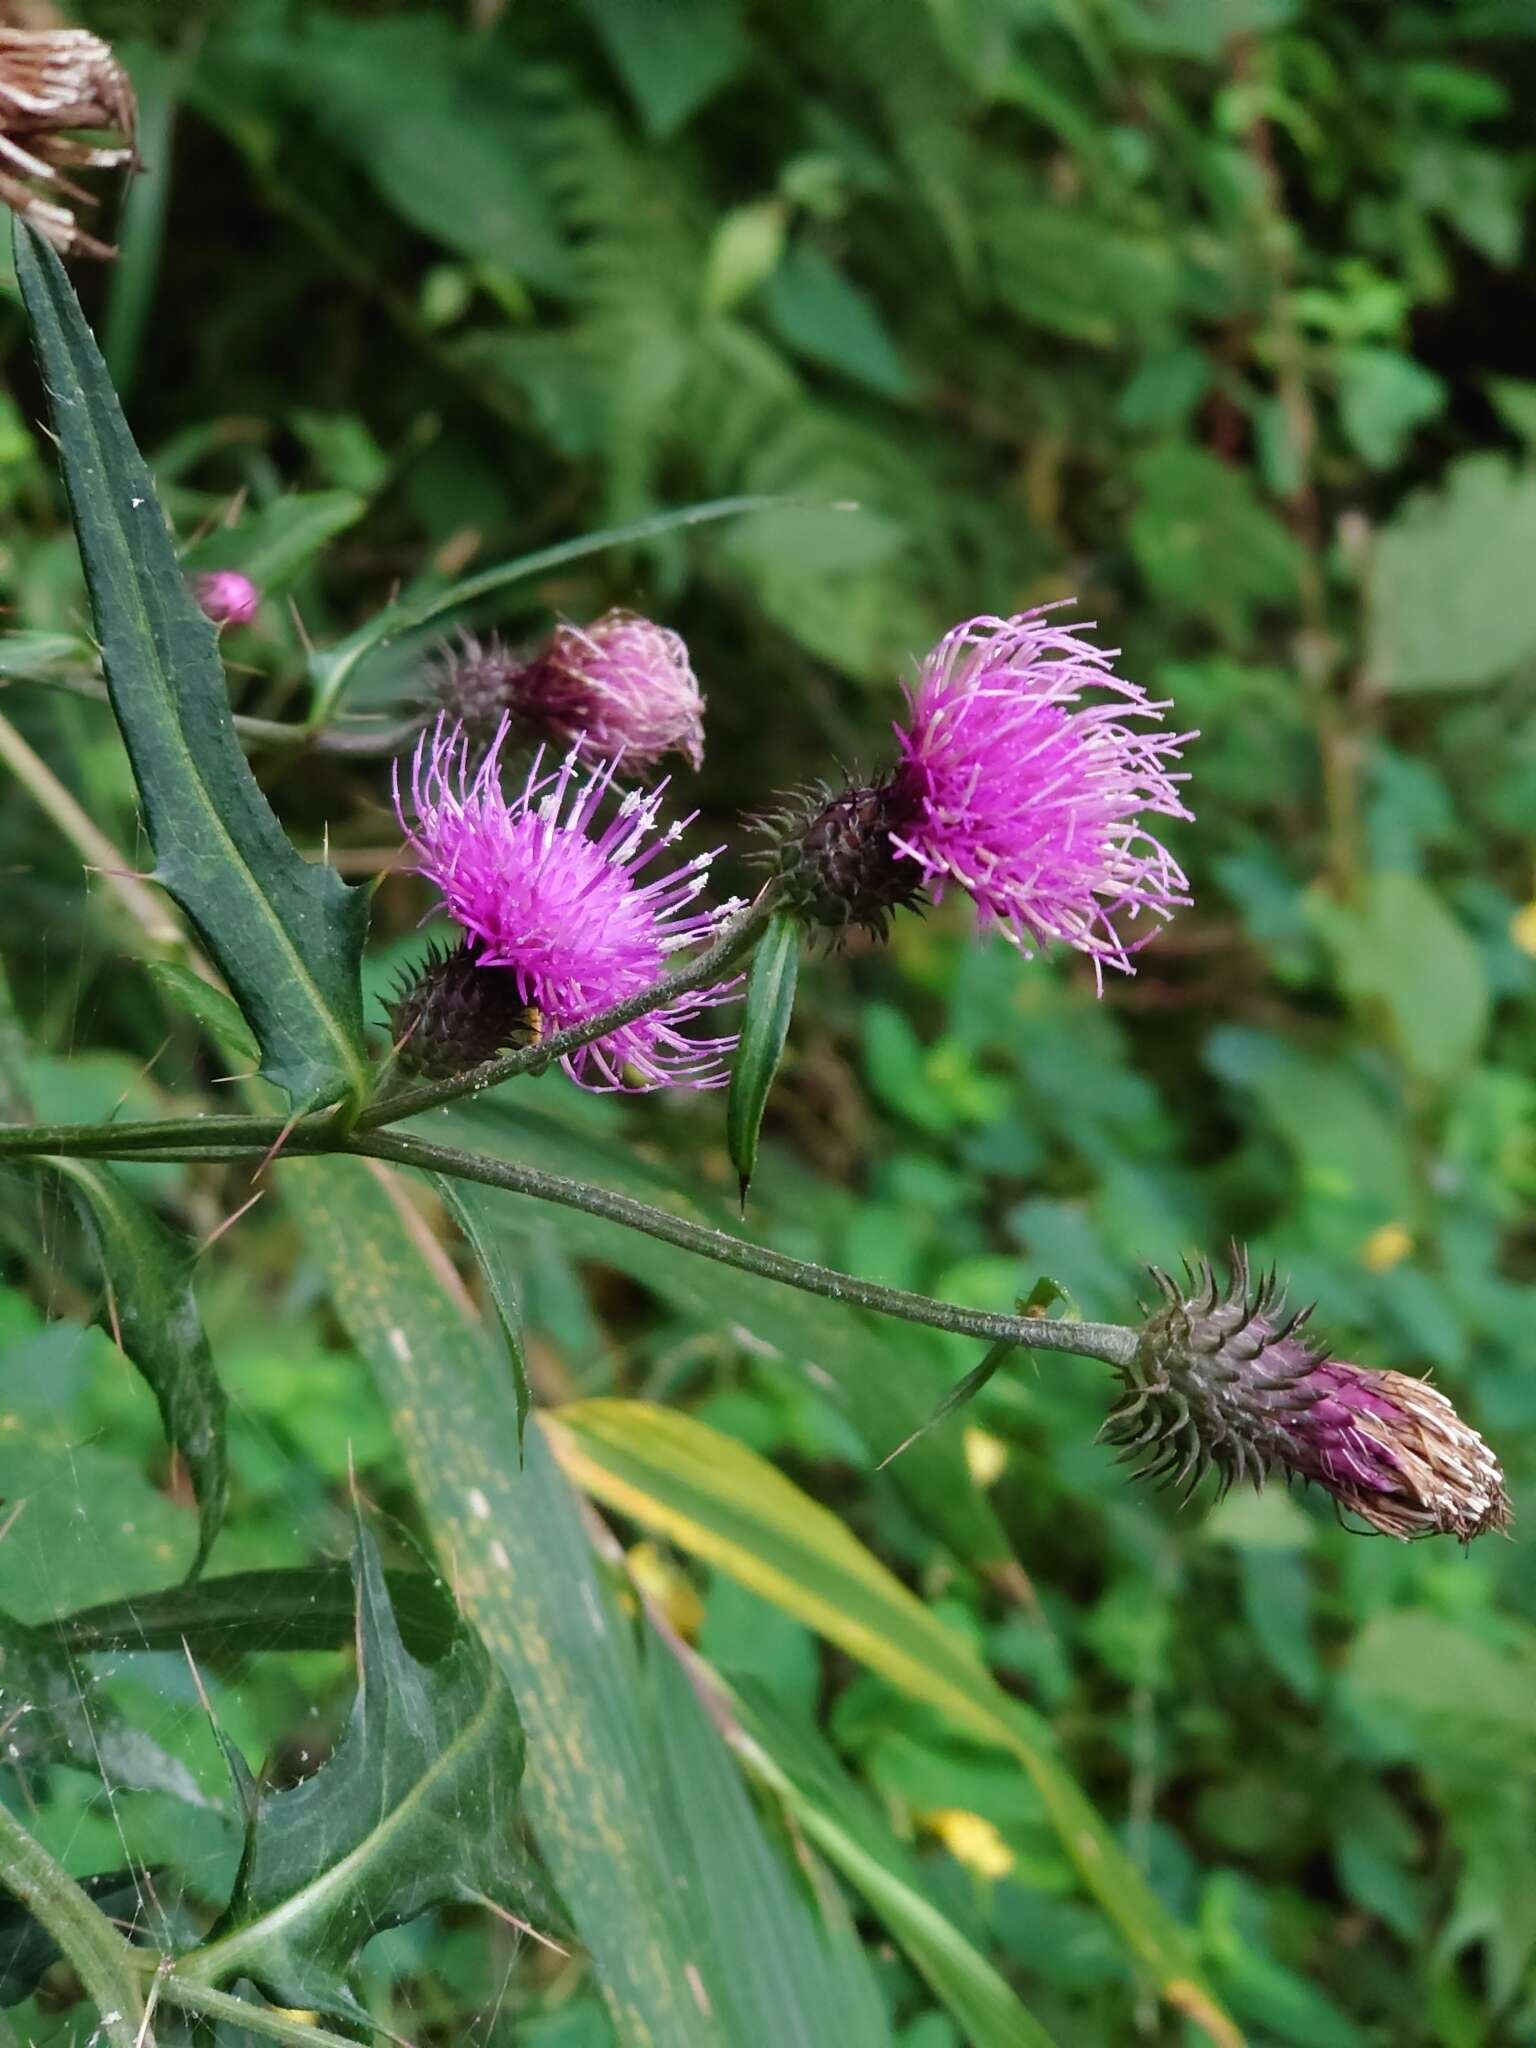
[
  {"x": 722, "y": 1501},
  {"x": 1451, "y": 603},
  {"x": 154, "y": 1314},
  {"x": 674, "y": 55},
  {"x": 1204, "y": 543},
  {"x": 818, "y": 311},
  {"x": 1404, "y": 950},
  {"x": 414, "y": 1807},
  {"x": 287, "y": 935},
  {"x": 218, "y": 1014},
  {"x": 276, "y": 543},
  {"x": 1384, "y": 398}
]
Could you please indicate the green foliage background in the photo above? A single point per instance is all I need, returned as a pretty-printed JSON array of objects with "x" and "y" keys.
[{"x": 1210, "y": 315}]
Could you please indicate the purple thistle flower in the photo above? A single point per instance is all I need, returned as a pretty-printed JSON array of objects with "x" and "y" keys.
[
  {"x": 620, "y": 690},
  {"x": 550, "y": 896},
  {"x": 1225, "y": 1380},
  {"x": 1031, "y": 798},
  {"x": 227, "y": 597}
]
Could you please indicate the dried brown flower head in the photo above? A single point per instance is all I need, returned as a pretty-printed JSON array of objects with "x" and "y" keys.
[{"x": 53, "y": 81}]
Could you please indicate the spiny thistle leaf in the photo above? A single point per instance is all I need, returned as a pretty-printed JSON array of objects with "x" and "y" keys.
[{"x": 415, "y": 1808}]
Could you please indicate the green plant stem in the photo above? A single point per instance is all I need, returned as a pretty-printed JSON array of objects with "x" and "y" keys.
[
  {"x": 257, "y": 2019},
  {"x": 103, "y": 1961},
  {"x": 1111, "y": 1343}
]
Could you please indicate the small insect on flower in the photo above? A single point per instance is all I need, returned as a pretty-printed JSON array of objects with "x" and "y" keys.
[
  {"x": 551, "y": 902},
  {"x": 53, "y": 80},
  {"x": 227, "y": 597},
  {"x": 1225, "y": 1379},
  {"x": 620, "y": 690}
]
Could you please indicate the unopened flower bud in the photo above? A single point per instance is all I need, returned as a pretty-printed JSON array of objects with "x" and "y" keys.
[
  {"x": 453, "y": 1014},
  {"x": 621, "y": 690},
  {"x": 227, "y": 597},
  {"x": 1226, "y": 1380}
]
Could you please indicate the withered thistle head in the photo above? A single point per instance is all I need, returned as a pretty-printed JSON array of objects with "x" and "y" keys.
[
  {"x": 1226, "y": 1380},
  {"x": 834, "y": 850},
  {"x": 619, "y": 691},
  {"x": 453, "y": 1014},
  {"x": 53, "y": 81}
]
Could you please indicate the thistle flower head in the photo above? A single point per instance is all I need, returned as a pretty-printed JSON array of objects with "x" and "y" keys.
[
  {"x": 562, "y": 903},
  {"x": 476, "y": 682},
  {"x": 1226, "y": 1379},
  {"x": 1026, "y": 770},
  {"x": 621, "y": 689},
  {"x": 227, "y": 597}
]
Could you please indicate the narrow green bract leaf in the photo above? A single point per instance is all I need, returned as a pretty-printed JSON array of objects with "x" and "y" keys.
[
  {"x": 764, "y": 1027},
  {"x": 218, "y": 1015},
  {"x": 414, "y": 1808},
  {"x": 287, "y": 935},
  {"x": 155, "y": 1316},
  {"x": 474, "y": 1210},
  {"x": 1043, "y": 1293}
]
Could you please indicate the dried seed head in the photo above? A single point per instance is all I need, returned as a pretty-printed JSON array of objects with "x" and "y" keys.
[
  {"x": 52, "y": 81},
  {"x": 1225, "y": 1379},
  {"x": 834, "y": 850},
  {"x": 453, "y": 1014}
]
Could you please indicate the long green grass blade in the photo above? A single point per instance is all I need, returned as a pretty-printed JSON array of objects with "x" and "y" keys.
[
  {"x": 287, "y": 934},
  {"x": 714, "y": 1497},
  {"x": 518, "y": 1556}
]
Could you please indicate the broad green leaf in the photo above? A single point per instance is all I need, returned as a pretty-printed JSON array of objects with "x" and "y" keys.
[
  {"x": 673, "y": 55},
  {"x": 154, "y": 1314},
  {"x": 884, "y": 1376},
  {"x": 57, "y": 1715},
  {"x": 217, "y": 1013},
  {"x": 1451, "y": 603},
  {"x": 714, "y": 1497},
  {"x": 278, "y": 542},
  {"x": 800, "y": 1770},
  {"x": 286, "y": 935},
  {"x": 1078, "y": 275},
  {"x": 415, "y": 1807},
  {"x": 818, "y": 311},
  {"x": 86, "y": 1524},
  {"x": 332, "y": 670},
  {"x": 305, "y": 1607},
  {"x": 1207, "y": 546},
  {"x": 1384, "y": 397},
  {"x": 524, "y": 1573},
  {"x": 475, "y": 1213},
  {"x": 769, "y": 1005}
]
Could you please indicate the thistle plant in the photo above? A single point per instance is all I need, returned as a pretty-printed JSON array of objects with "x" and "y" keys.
[{"x": 1027, "y": 775}]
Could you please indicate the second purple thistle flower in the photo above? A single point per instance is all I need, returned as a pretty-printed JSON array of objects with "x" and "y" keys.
[
  {"x": 551, "y": 898},
  {"x": 1027, "y": 770}
]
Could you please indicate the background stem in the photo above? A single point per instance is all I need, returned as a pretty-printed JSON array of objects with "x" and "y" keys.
[{"x": 93, "y": 1945}]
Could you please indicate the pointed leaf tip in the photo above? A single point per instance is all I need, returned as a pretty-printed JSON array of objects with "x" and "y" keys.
[{"x": 770, "y": 1003}]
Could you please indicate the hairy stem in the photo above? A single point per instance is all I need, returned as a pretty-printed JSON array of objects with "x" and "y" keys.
[{"x": 102, "y": 1960}]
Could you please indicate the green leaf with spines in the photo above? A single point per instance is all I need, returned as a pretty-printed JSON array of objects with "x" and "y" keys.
[
  {"x": 415, "y": 1808},
  {"x": 287, "y": 934},
  {"x": 770, "y": 1003},
  {"x": 155, "y": 1317}
]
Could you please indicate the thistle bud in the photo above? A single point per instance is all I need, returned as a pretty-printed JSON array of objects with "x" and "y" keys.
[
  {"x": 621, "y": 690},
  {"x": 476, "y": 682},
  {"x": 227, "y": 597},
  {"x": 453, "y": 1014},
  {"x": 1226, "y": 1379},
  {"x": 834, "y": 850}
]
